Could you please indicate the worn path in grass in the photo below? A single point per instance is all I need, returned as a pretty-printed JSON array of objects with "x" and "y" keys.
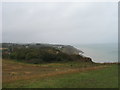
[
  {"x": 17, "y": 74},
  {"x": 13, "y": 71}
]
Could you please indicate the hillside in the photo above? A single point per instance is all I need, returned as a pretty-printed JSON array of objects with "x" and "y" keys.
[
  {"x": 39, "y": 53},
  {"x": 64, "y": 48}
]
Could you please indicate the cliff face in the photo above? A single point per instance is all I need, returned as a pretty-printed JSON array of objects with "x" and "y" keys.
[
  {"x": 69, "y": 49},
  {"x": 37, "y": 53}
]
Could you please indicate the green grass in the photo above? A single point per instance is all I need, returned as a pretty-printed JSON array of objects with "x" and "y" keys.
[{"x": 101, "y": 78}]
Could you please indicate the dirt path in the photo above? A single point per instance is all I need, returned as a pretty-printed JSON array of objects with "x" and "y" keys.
[
  {"x": 30, "y": 75},
  {"x": 72, "y": 71}
]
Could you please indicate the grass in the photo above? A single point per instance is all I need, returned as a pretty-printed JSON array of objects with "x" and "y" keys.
[
  {"x": 92, "y": 79},
  {"x": 59, "y": 75}
]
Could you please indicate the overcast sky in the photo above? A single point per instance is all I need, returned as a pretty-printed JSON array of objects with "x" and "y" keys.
[{"x": 60, "y": 23}]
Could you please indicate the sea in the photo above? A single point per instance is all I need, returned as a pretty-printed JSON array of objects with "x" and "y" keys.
[{"x": 100, "y": 53}]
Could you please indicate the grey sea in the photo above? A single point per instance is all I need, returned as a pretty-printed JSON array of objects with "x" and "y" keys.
[{"x": 101, "y": 53}]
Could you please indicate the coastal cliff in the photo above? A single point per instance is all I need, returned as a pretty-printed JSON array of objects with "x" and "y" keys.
[{"x": 38, "y": 53}]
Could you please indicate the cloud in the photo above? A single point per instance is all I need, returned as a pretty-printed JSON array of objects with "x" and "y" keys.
[
  {"x": 60, "y": 22},
  {"x": 0, "y": 22}
]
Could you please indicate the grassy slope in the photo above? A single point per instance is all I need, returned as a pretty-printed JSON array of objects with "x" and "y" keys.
[{"x": 100, "y": 78}]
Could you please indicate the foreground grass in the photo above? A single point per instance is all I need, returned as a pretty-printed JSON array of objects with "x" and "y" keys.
[{"x": 106, "y": 77}]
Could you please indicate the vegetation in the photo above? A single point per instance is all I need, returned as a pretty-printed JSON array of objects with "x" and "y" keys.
[
  {"x": 59, "y": 75},
  {"x": 41, "y": 55},
  {"x": 57, "y": 66}
]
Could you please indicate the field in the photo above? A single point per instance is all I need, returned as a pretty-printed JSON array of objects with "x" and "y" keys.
[{"x": 59, "y": 75}]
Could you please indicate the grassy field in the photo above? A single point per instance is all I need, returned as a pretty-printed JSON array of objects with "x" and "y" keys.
[{"x": 59, "y": 75}]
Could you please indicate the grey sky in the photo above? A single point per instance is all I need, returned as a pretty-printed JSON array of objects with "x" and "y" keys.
[
  {"x": 65, "y": 23},
  {"x": 0, "y": 22}
]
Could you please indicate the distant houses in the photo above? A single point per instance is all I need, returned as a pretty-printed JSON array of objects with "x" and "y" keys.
[{"x": 68, "y": 49}]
